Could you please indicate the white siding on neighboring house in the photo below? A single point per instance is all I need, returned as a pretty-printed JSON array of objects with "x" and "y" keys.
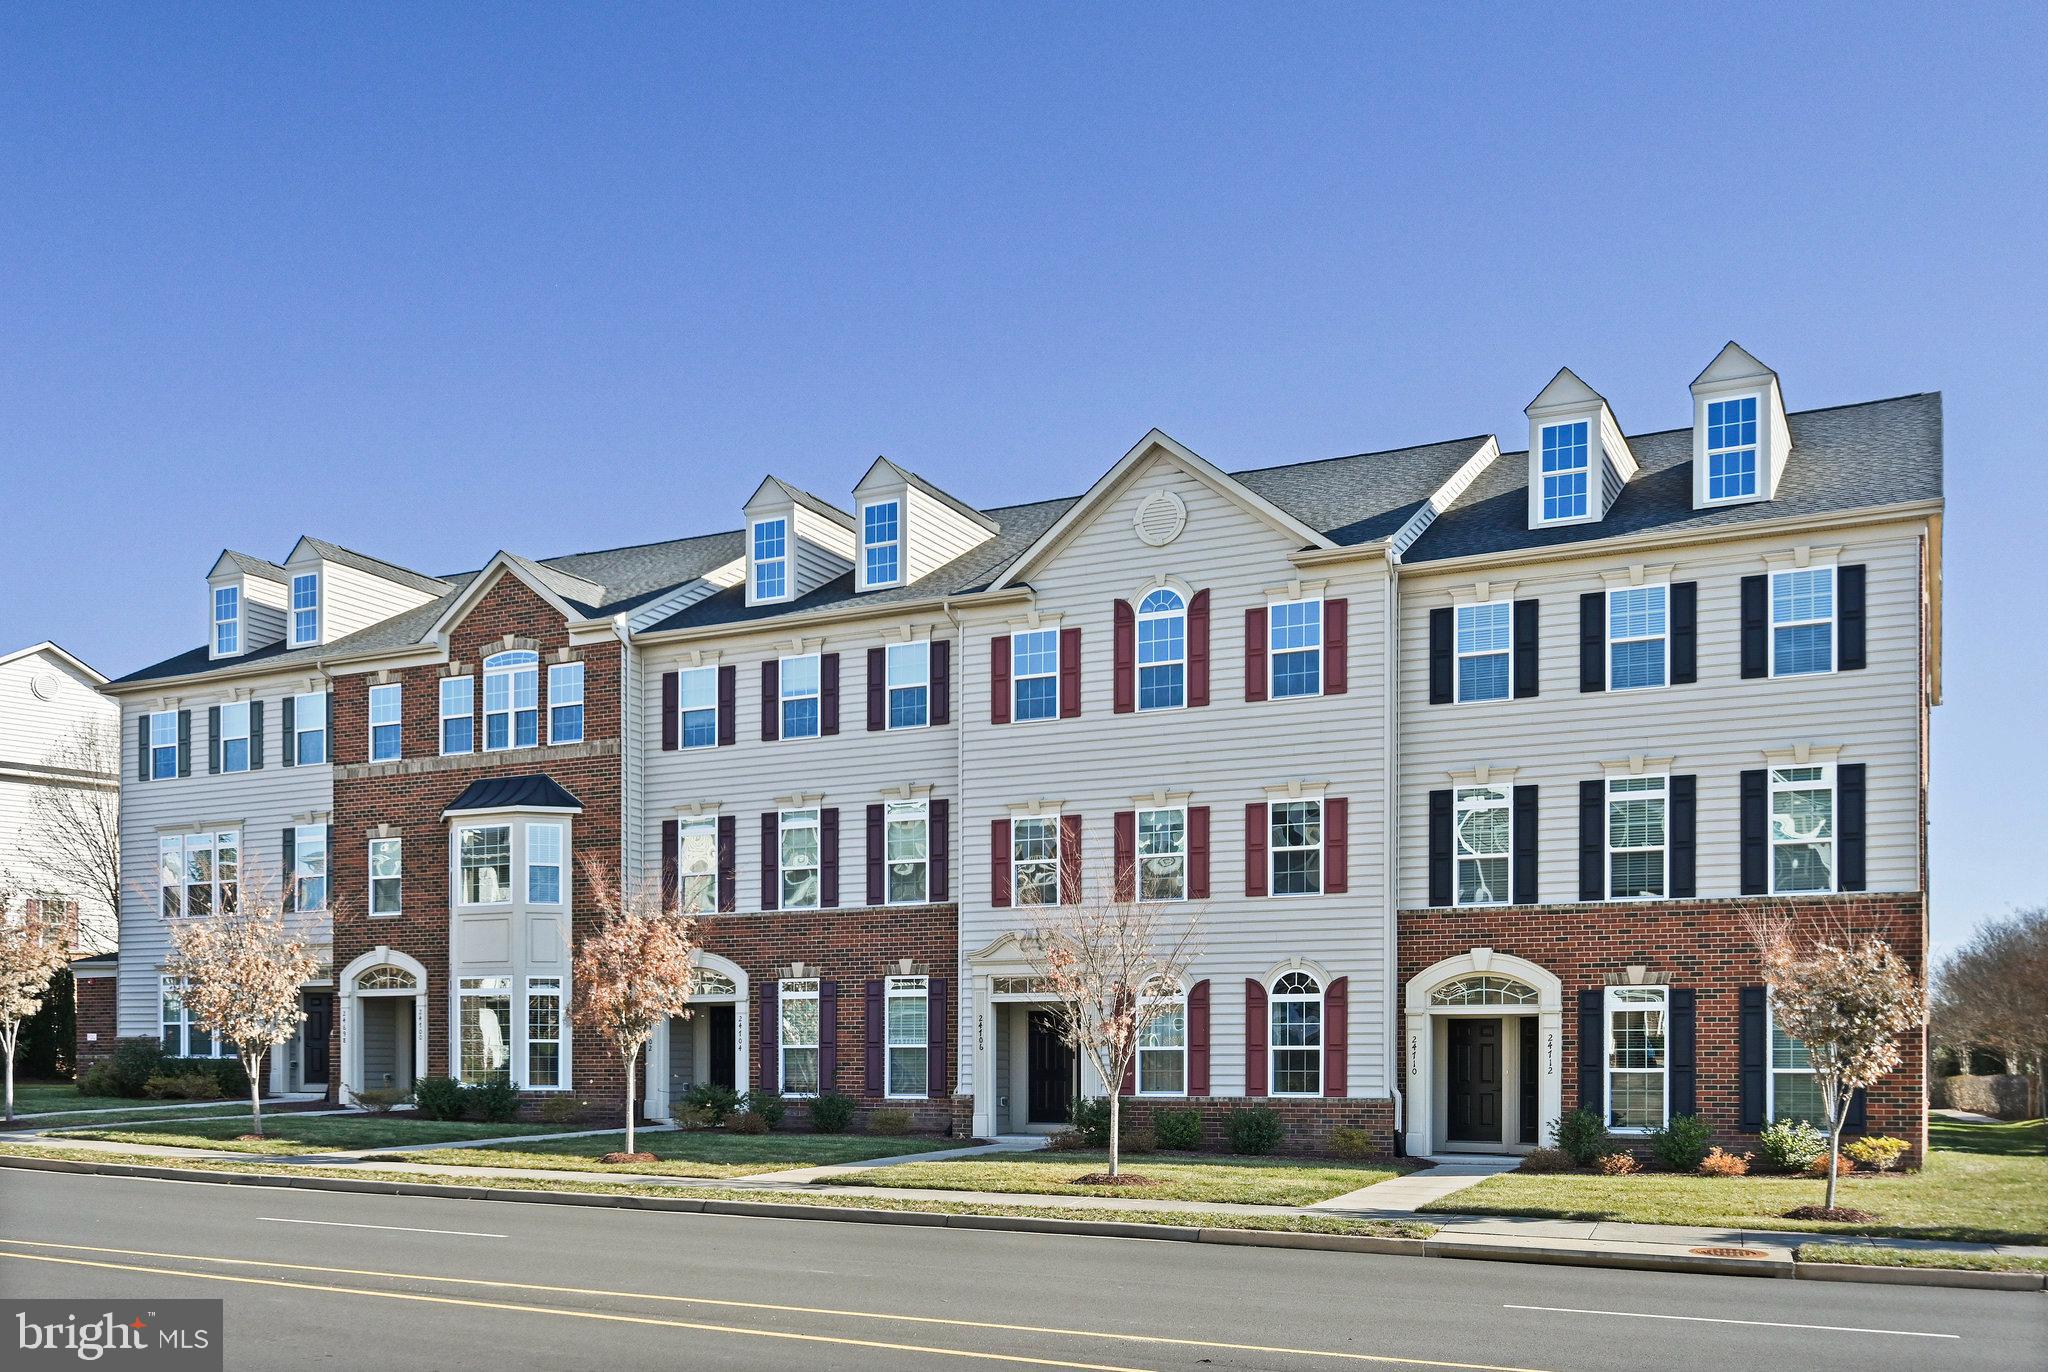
[{"x": 45, "y": 701}]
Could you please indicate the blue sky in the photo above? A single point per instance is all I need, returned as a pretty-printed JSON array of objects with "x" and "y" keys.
[{"x": 434, "y": 281}]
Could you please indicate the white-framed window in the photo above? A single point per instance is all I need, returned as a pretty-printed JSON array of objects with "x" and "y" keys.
[
  {"x": 309, "y": 728},
  {"x": 458, "y": 715},
  {"x": 1482, "y": 825},
  {"x": 182, "y": 1036},
  {"x": 771, "y": 559},
  {"x": 387, "y": 876},
  {"x": 1803, "y": 621},
  {"x": 544, "y": 1033},
  {"x": 1295, "y": 1045},
  {"x": 798, "y": 854},
  {"x": 1035, "y": 674},
  {"x": 163, "y": 744},
  {"x": 1731, "y": 448},
  {"x": 544, "y": 864},
  {"x": 309, "y": 867},
  {"x": 907, "y": 1017},
  {"x": 1295, "y": 849},
  {"x": 511, "y": 700},
  {"x": 483, "y": 855},
  {"x": 1638, "y": 1088},
  {"x": 485, "y": 1019},
  {"x": 565, "y": 702},
  {"x": 1485, "y": 648},
  {"x": 1163, "y": 1044},
  {"x": 1638, "y": 842},
  {"x": 697, "y": 700},
  {"x": 1794, "y": 1092},
  {"x": 697, "y": 864},
  {"x": 1294, "y": 630},
  {"x": 305, "y": 609},
  {"x": 1638, "y": 637},
  {"x": 1802, "y": 829},
  {"x": 227, "y": 620},
  {"x": 906, "y": 852},
  {"x": 881, "y": 543},
  {"x": 908, "y": 669},
  {"x": 801, "y": 712},
  {"x": 387, "y": 722},
  {"x": 1162, "y": 650},
  {"x": 1565, "y": 471},
  {"x": 797, "y": 1004},
  {"x": 1162, "y": 854},
  {"x": 1035, "y": 860},
  {"x": 199, "y": 873},
  {"x": 234, "y": 736}
]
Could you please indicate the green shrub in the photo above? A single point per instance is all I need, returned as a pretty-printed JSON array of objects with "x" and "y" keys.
[
  {"x": 1066, "y": 1141},
  {"x": 383, "y": 1099},
  {"x": 182, "y": 1086},
  {"x": 495, "y": 1101},
  {"x": 831, "y": 1113},
  {"x": 767, "y": 1105},
  {"x": 134, "y": 1062},
  {"x": 1349, "y": 1141},
  {"x": 1681, "y": 1143},
  {"x": 561, "y": 1109},
  {"x": 1137, "y": 1138},
  {"x": 1090, "y": 1120},
  {"x": 1253, "y": 1129},
  {"x": 889, "y": 1121},
  {"x": 688, "y": 1116},
  {"x": 439, "y": 1098},
  {"x": 1582, "y": 1137},
  {"x": 100, "y": 1079},
  {"x": 1179, "y": 1130},
  {"x": 715, "y": 1101},
  {"x": 1543, "y": 1161},
  {"x": 229, "y": 1073},
  {"x": 1877, "y": 1152},
  {"x": 747, "y": 1122},
  {"x": 1790, "y": 1145}
]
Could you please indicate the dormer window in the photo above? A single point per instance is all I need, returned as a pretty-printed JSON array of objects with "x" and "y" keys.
[
  {"x": 881, "y": 544},
  {"x": 511, "y": 701},
  {"x": 771, "y": 559},
  {"x": 305, "y": 609},
  {"x": 227, "y": 620},
  {"x": 1731, "y": 448},
  {"x": 1565, "y": 472}
]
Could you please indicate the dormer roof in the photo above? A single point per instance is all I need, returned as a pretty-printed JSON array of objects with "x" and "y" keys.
[
  {"x": 310, "y": 547},
  {"x": 232, "y": 563},
  {"x": 1565, "y": 392},
  {"x": 882, "y": 473},
  {"x": 1732, "y": 364},
  {"x": 774, "y": 490}
]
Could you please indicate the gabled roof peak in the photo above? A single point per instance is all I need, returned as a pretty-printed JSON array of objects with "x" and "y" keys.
[
  {"x": 1733, "y": 363},
  {"x": 1565, "y": 390},
  {"x": 774, "y": 488}
]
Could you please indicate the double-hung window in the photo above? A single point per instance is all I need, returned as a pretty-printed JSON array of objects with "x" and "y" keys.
[
  {"x": 906, "y": 842},
  {"x": 458, "y": 715},
  {"x": 1795, "y": 1093},
  {"x": 1296, "y": 1011},
  {"x": 163, "y": 744},
  {"x": 227, "y": 620},
  {"x": 909, "y": 667},
  {"x": 697, "y": 864},
  {"x": 234, "y": 736},
  {"x": 1637, "y": 1024},
  {"x": 309, "y": 728},
  {"x": 1035, "y": 674},
  {"x": 797, "y": 1002},
  {"x": 485, "y": 1018},
  {"x": 1802, "y": 829},
  {"x": 183, "y": 1036},
  {"x": 198, "y": 874},
  {"x": 697, "y": 699},
  {"x": 1731, "y": 448},
  {"x": 1296, "y": 827},
  {"x": 386, "y": 723},
  {"x": 800, "y": 710},
  {"x": 387, "y": 875},
  {"x": 1163, "y": 1043},
  {"x": 1486, "y": 640},
  {"x": 1803, "y": 621},
  {"x": 544, "y": 1033},
  {"x": 565, "y": 702},
  {"x": 511, "y": 700},
  {"x": 1162, "y": 854},
  {"x": 1295, "y": 633},
  {"x": 309, "y": 867},
  {"x": 907, "y": 1016},
  {"x": 1162, "y": 651},
  {"x": 305, "y": 609},
  {"x": 771, "y": 559},
  {"x": 1482, "y": 825},
  {"x": 882, "y": 543},
  {"x": 484, "y": 858},
  {"x": 798, "y": 853},
  {"x": 1637, "y": 837},
  {"x": 544, "y": 864},
  {"x": 1035, "y": 860},
  {"x": 1638, "y": 646},
  {"x": 1565, "y": 471}
]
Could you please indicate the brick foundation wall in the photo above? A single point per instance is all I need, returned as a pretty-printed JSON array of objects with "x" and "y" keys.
[
  {"x": 95, "y": 1015},
  {"x": 1306, "y": 1124}
]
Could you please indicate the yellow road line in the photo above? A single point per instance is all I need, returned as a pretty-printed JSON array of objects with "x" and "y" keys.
[{"x": 1162, "y": 1339}]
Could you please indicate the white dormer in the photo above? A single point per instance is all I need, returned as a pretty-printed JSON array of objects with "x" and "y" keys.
[
  {"x": 795, "y": 543},
  {"x": 245, "y": 599},
  {"x": 1740, "y": 439},
  {"x": 1578, "y": 460},
  {"x": 909, "y": 528},
  {"x": 331, "y": 592}
]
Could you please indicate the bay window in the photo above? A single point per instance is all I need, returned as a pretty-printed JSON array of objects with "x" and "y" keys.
[
  {"x": 485, "y": 1027},
  {"x": 544, "y": 864}
]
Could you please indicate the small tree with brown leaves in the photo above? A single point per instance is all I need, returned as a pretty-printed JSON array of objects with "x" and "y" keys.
[
  {"x": 1846, "y": 996},
  {"x": 634, "y": 974},
  {"x": 33, "y": 949}
]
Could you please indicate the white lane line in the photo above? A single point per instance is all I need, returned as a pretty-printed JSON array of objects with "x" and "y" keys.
[
  {"x": 402, "y": 1228},
  {"x": 1762, "y": 1324}
]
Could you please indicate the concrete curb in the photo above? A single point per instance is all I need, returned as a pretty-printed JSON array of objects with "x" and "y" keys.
[{"x": 1469, "y": 1249}]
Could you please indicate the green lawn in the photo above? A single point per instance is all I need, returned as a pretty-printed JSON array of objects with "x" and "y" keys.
[
  {"x": 287, "y": 1133},
  {"x": 214, "y": 1110},
  {"x": 1983, "y": 1183},
  {"x": 1186, "y": 1176},
  {"x": 1919, "y": 1257},
  {"x": 695, "y": 1154},
  {"x": 34, "y": 1096}
]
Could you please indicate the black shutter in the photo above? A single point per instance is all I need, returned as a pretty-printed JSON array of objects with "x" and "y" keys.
[
  {"x": 1856, "y": 1118},
  {"x": 939, "y": 834},
  {"x": 1849, "y": 614},
  {"x": 212, "y": 740},
  {"x": 1593, "y": 641},
  {"x": 874, "y": 855},
  {"x": 1526, "y": 656},
  {"x": 1685, "y": 633},
  {"x": 255, "y": 735},
  {"x": 1440, "y": 848},
  {"x": 1683, "y": 1076},
  {"x": 1756, "y": 838},
  {"x": 1684, "y": 828},
  {"x": 290, "y": 748},
  {"x": 291, "y": 858},
  {"x": 1592, "y": 1051},
  {"x": 1849, "y": 826},
  {"x": 828, "y": 856},
  {"x": 1756, "y": 629},
  {"x": 1441, "y": 655},
  {"x": 728, "y": 864},
  {"x": 1592, "y": 840},
  {"x": 771, "y": 866},
  {"x": 1751, "y": 1037},
  {"x": 184, "y": 743},
  {"x": 1525, "y": 846},
  {"x": 142, "y": 746}
]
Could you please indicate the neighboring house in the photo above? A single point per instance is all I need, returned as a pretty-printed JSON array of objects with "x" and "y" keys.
[{"x": 1474, "y": 764}]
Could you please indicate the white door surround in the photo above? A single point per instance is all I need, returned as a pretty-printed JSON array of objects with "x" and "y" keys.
[
  {"x": 655, "y": 1057},
  {"x": 351, "y": 1018},
  {"x": 1423, "y": 1021}
]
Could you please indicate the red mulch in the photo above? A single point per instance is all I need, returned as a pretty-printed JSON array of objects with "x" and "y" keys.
[
  {"x": 1841, "y": 1214},
  {"x": 629, "y": 1157},
  {"x": 1120, "y": 1179}
]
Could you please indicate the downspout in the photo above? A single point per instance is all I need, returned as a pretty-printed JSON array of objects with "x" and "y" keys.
[
  {"x": 1391, "y": 859},
  {"x": 629, "y": 750},
  {"x": 963, "y": 1005}
]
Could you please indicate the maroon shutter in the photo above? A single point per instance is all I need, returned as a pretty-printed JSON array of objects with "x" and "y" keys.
[
  {"x": 1198, "y": 1038},
  {"x": 771, "y": 864},
  {"x": 999, "y": 863},
  {"x": 872, "y": 1081},
  {"x": 935, "y": 1038},
  {"x": 999, "y": 679},
  {"x": 1336, "y": 846},
  {"x": 1255, "y": 653},
  {"x": 1070, "y": 673},
  {"x": 1255, "y": 849},
  {"x": 770, "y": 1037},
  {"x": 1125, "y": 656},
  {"x": 939, "y": 834},
  {"x": 828, "y": 693},
  {"x": 1336, "y": 1037},
  {"x": 878, "y": 692},
  {"x": 771, "y": 700},
  {"x": 828, "y": 856},
  {"x": 671, "y": 705},
  {"x": 1130, "y": 1082},
  {"x": 728, "y": 703},
  {"x": 1254, "y": 1038},
  {"x": 671, "y": 864},
  {"x": 874, "y": 855},
  {"x": 942, "y": 681},
  {"x": 1126, "y": 830},
  {"x": 1198, "y": 852},
  {"x": 728, "y": 864},
  {"x": 828, "y": 1036},
  {"x": 1336, "y": 647},
  {"x": 1198, "y": 649},
  {"x": 1070, "y": 859}
]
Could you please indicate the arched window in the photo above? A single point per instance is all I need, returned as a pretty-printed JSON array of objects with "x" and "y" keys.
[
  {"x": 707, "y": 983},
  {"x": 1162, "y": 651},
  {"x": 387, "y": 979},
  {"x": 1163, "y": 1043},
  {"x": 1483, "y": 991},
  {"x": 512, "y": 700},
  {"x": 1295, "y": 1047}
]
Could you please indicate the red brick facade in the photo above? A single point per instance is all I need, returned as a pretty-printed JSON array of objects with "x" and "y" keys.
[{"x": 95, "y": 1025}]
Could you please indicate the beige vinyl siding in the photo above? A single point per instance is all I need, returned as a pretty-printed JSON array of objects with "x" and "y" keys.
[
  {"x": 1714, "y": 729},
  {"x": 819, "y": 550},
  {"x": 264, "y": 610},
  {"x": 352, "y": 600},
  {"x": 934, "y": 535}
]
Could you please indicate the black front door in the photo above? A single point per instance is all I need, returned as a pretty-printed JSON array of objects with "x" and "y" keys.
[
  {"x": 1051, "y": 1071},
  {"x": 1527, "y": 1028},
  {"x": 319, "y": 1024},
  {"x": 1475, "y": 1081},
  {"x": 724, "y": 1023}
]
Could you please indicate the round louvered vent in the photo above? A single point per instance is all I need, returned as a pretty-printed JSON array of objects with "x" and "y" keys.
[
  {"x": 44, "y": 685},
  {"x": 1161, "y": 517}
]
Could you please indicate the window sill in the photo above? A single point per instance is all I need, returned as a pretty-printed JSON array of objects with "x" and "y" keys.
[{"x": 385, "y": 914}]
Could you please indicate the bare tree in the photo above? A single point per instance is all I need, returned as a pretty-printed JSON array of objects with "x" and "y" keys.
[
  {"x": 1993, "y": 992},
  {"x": 634, "y": 974},
  {"x": 74, "y": 830},
  {"x": 33, "y": 949}
]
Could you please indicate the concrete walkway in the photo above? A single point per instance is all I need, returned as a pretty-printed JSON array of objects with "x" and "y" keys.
[{"x": 1406, "y": 1194}]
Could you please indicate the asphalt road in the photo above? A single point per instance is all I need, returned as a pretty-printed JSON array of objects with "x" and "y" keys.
[{"x": 320, "y": 1279}]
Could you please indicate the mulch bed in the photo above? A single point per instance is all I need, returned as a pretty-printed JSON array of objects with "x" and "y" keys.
[
  {"x": 1120, "y": 1179},
  {"x": 629, "y": 1157},
  {"x": 1841, "y": 1214}
]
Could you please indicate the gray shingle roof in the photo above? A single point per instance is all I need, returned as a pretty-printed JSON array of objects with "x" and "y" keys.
[
  {"x": 250, "y": 565},
  {"x": 1353, "y": 500},
  {"x": 377, "y": 566}
]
